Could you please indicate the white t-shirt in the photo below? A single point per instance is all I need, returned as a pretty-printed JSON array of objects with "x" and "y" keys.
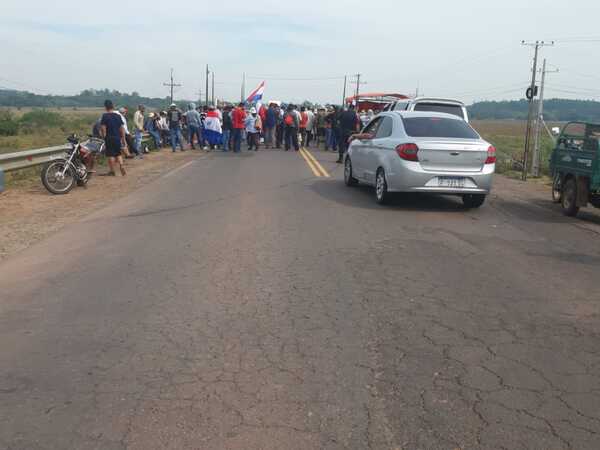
[{"x": 124, "y": 122}]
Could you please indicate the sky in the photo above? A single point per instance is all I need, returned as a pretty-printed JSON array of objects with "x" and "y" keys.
[{"x": 465, "y": 49}]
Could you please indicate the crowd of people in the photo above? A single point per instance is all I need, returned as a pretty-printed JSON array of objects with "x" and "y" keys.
[{"x": 274, "y": 126}]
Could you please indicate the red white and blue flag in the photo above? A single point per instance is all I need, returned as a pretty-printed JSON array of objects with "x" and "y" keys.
[{"x": 257, "y": 94}]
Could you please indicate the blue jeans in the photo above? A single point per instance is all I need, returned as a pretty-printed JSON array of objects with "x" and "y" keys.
[
  {"x": 236, "y": 137},
  {"x": 226, "y": 137},
  {"x": 156, "y": 136},
  {"x": 176, "y": 138},
  {"x": 138, "y": 142},
  {"x": 330, "y": 139},
  {"x": 194, "y": 130}
]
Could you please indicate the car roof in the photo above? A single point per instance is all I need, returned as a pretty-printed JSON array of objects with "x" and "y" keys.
[
  {"x": 437, "y": 100},
  {"x": 414, "y": 114}
]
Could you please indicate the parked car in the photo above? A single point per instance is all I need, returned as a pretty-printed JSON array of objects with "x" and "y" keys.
[
  {"x": 443, "y": 105},
  {"x": 428, "y": 152},
  {"x": 575, "y": 167}
]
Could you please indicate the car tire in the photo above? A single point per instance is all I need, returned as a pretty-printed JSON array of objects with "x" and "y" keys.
[
  {"x": 569, "y": 198},
  {"x": 556, "y": 189},
  {"x": 382, "y": 195},
  {"x": 348, "y": 178},
  {"x": 473, "y": 200}
]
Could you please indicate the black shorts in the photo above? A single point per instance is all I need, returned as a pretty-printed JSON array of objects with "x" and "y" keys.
[{"x": 113, "y": 147}]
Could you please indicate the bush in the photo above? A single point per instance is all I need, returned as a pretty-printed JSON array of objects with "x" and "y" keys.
[
  {"x": 8, "y": 125},
  {"x": 33, "y": 120}
]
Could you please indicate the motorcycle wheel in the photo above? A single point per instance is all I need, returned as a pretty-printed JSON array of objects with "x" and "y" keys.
[{"x": 54, "y": 181}]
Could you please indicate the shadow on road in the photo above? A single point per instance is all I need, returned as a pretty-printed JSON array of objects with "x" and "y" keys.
[{"x": 364, "y": 197}]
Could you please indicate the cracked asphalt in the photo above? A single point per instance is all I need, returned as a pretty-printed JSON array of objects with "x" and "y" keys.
[{"x": 241, "y": 303}]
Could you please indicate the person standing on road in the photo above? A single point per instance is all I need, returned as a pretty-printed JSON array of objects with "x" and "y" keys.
[
  {"x": 320, "y": 120},
  {"x": 310, "y": 126},
  {"x": 174, "y": 118},
  {"x": 213, "y": 132},
  {"x": 113, "y": 132},
  {"x": 193, "y": 124},
  {"x": 303, "y": 123},
  {"x": 279, "y": 127},
  {"x": 253, "y": 126},
  {"x": 238, "y": 118},
  {"x": 291, "y": 122},
  {"x": 331, "y": 122},
  {"x": 227, "y": 127},
  {"x": 349, "y": 124},
  {"x": 270, "y": 123},
  {"x": 138, "y": 123}
]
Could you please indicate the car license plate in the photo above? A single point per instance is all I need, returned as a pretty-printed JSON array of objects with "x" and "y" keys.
[{"x": 451, "y": 182}]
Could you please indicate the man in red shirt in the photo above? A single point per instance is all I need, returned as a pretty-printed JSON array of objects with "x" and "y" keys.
[
  {"x": 303, "y": 123},
  {"x": 238, "y": 117}
]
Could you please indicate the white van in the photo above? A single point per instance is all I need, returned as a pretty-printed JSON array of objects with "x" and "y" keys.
[{"x": 442, "y": 105}]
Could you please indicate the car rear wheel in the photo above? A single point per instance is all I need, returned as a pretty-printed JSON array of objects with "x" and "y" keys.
[
  {"x": 569, "y": 198},
  {"x": 381, "y": 190},
  {"x": 473, "y": 200},
  {"x": 348, "y": 178}
]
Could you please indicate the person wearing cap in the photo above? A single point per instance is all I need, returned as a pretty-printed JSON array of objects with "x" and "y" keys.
[
  {"x": 238, "y": 118},
  {"x": 174, "y": 118},
  {"x": 192, "y": 118},
  {"x": 138, "y": 123},
  {"x": 253, "y": 127}
]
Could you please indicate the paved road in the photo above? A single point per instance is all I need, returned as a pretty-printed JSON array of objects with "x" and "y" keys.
[{"x": 243, "y": 303}]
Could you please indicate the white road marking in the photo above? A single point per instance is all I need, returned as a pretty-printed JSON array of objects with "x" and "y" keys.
[{"x": 174, "y": 171}]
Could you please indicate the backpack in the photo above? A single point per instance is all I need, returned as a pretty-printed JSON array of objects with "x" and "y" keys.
[{"x": 289, "y": 120}]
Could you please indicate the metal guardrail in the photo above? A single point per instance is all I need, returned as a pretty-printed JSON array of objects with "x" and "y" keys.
[{"x": 29, "y": 158}]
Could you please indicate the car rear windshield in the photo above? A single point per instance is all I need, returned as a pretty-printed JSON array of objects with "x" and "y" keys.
[
  {"x": 441, "y": 107},
  {"x": 438, "y": 127}
]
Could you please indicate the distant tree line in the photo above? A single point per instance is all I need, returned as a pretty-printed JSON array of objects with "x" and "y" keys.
[
  {"x": 88, "y": 98},
  {"x": 555, "y": 110}
]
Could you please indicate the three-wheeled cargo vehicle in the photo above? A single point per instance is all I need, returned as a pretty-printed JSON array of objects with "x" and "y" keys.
[{"x": 575, "y": 167}]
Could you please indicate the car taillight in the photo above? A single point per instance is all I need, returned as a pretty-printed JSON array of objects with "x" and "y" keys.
[
  {"x": 491, "y": 155},
  {"x": 409, "y": 152}
]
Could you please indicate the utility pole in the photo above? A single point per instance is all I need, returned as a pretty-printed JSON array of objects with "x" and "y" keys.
[
  {"x": 172, "y": 85},
  {"x": 535, "y": 169},
  {"x": 206, "y": 91},
  {"x": 243, "y": 93},
  {"x": 344, "y": 94},
  {"x": 213, "y": 89},
  {"x": 358, "y": 84},
  {"x": 531, "y": 93}
]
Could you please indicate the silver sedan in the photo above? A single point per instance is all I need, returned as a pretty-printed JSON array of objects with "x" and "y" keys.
[{"x": 428, "y": 152}]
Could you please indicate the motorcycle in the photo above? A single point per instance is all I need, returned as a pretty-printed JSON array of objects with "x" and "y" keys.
[{"x": 61, "y": 174}]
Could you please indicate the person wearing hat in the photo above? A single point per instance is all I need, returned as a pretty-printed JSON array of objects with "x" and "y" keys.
[
  {"x": 174, "y": 118},
  {"x": 253, "y": 127},
  {"x": 152, "y": 128}
]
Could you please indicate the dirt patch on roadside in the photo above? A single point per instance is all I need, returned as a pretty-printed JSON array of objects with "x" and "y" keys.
[{"x": 29, "y": 213}]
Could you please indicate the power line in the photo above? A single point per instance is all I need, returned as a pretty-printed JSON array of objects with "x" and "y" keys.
[{"x": 276, "y": 78}]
